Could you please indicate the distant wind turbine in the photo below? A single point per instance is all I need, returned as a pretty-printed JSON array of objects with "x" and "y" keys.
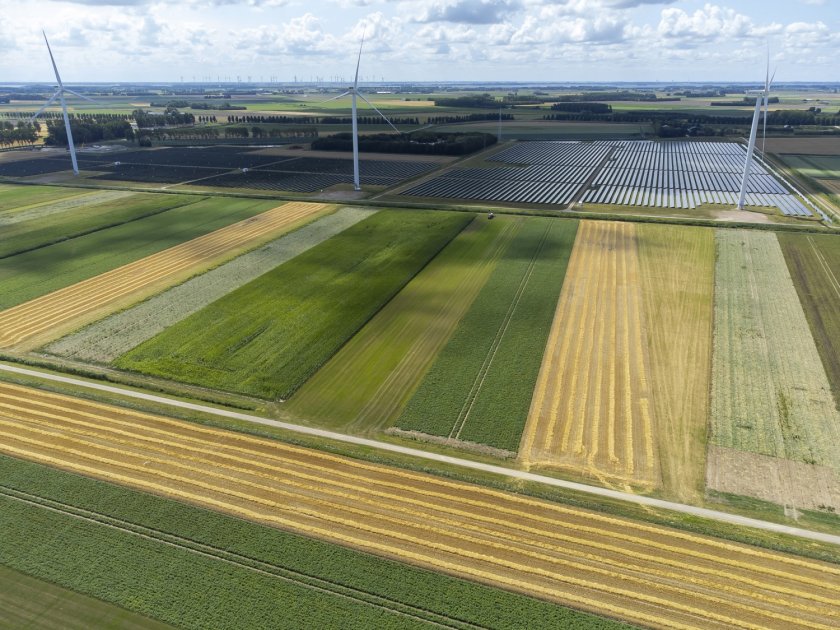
[
  {"x": 761, "y": 97},
  {"x": 354, "y": 92},
  {"x": 59, "y": 94}
]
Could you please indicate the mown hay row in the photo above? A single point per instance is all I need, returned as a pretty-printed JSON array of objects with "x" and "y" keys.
[
  {"x": 591, "y": 409},
  {"x": 639, "y": 572},
  {"x": 52, "y": 312}
]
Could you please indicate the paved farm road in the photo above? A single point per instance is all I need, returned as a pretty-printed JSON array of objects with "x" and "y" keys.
[{"x": 464, "y": 463}]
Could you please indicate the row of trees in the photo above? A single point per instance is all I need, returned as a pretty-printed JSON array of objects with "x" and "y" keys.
[
  {"x": 85, "y": 131},
  {"x": 420, "y": 142},
  {"x": 585, "y": 107},
  {"x": 22, "y": 133}
]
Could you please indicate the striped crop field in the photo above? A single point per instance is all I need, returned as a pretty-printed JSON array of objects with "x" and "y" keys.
[
  {"x": 770, "y": 393},
  {"x": 367, "y": 383},
  {"x": 591, "y": 411},
  {"x": 48, "y": 316},
  {"x": 644, "y": 573},
  {"x": 479, "y": 389},
  {"x": 677, "y": 267}
]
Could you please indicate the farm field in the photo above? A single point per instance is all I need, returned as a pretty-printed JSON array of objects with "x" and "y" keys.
[
  {"x": 267, "y": 337},
  {"x": 13, "y": 196},
  {"x": 46, "y": 317},
  {"x": 37, "y": 225},
  {"x": 243, "y": 569},
  {"x": 770, "y": 393},
  {"x": 676, "y": 268},
  {"x": 366, "y": 384},
  {"x": 27, "y": 602},
  {"x": 639, "y": 572},
  {"x": 814, "y": 264},
  {"x": 479, "y": 388},
  {"x": 591, "y": 411},
  {"x": 107, "y": 339},
  {"x": 32, "y": 274},
  {"x": 824, "y": 169}
]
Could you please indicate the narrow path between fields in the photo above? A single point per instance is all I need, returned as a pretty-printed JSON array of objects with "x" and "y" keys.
[{"x": 714, "y": 515}]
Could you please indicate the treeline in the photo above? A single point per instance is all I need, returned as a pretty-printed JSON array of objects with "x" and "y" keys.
[
  {"x": 22, "y": 133},
  {"x": 747, "y": 100},
  {"x": 368, "y": 120},
  {"x": 420, "y": 142},
  {"x": 214, "y": 133},
  {"x": 583, "y": 107},
  {"x": 85, "y": 131},
  {"x": 445, "y": 120},
  {"x": 170, "y": 117},
  {"x": 226, "y": 106},
  {"x": 622, "y": 95},
  {"x": 477, "y": 100}
]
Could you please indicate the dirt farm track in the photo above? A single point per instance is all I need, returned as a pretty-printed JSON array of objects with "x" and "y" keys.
[{"x": 644, "y": 573}]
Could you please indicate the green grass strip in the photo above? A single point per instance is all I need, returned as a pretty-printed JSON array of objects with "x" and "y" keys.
[
  {"x": 198, "y": 569},
  {"x": 267, "y": 337},
  {"x": 13, "y": 197},
  {"x": 479, "y": 389},
  {"x": 52, "y": 223},
  {"x": 41, "y": 271}
]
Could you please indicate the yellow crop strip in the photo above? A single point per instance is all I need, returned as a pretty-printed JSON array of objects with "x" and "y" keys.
[
  {"x": 40, "y": 315},
  {"x": 313, "y": 483},
  {"x": 496, "y": 501},
  {"x": 326, "y": 510}
]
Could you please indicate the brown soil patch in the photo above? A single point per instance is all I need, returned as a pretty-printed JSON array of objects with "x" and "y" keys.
[
  {"x": 742, "y": 216},
  {"x": 814, "y": 146},
  {"x": 782, "y": 481}
]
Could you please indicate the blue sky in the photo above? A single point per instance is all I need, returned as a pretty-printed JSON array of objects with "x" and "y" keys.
[{"x": 409, "y": 40}]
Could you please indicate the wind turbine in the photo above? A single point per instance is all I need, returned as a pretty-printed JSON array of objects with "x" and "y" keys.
[
  {"x": 761, "y": 96},
  {"x": 354, "y": 92},
  {"x": 59, "y": 93}
]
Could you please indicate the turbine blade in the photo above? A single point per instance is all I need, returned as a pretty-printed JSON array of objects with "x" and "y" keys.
[
  {"x": 359, "y": 60},
  {"x": 47, "y": 104},
  {"x": 767, "y": 70},
  {"x": 69, "y": 91},
  {"x": 334, "y": 98},
  {"x": 770, "y": 83},
  {"x": 384, "y": 117},
  {"x": 57, "y": 78}
]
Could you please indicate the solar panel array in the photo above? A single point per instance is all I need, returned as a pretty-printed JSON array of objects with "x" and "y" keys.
[
  {"x": 550, "y": 173},
  {"x": 675, "y": 174},
  {"x": 686, "y": 175}
]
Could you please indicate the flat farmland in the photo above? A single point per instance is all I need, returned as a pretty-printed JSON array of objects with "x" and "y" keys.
[
  {"x": 31, "y": 274},
  {"x": 677, "y": 267},
  {"x": 479, "y": 388},
  {"x": 591, "y": 411},
  {"x": 367, "y": 383},
  {"x": 199, "y": 569},
  {"x": 770, "y": 392},
  {"x": 39, "y": 224},
  {"x": 55, "y": 312},
  {"x": 814, "y": 264},
  {"x": 13, "y": 196},
  {"x": 643, "y": 573},
  {"x": 269, "y": 336},
  {"x": 27, "y": 602}
]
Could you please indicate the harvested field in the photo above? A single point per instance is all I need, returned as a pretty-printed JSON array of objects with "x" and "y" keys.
[
  {"x": 644, "y": 573},
  {"x": 269, "y": 336},
  {"x": 677, "y": 267},
  {"x": 479, "y": 389},
  {"x": 591, "y": 410},
  {"x": 770, "y": 393},
  {"x": 368, "y": 382},
  {"x": 814, "y": 264},
  {"x": 104, "y": 341},
  {"x": 48, "y": 316}
]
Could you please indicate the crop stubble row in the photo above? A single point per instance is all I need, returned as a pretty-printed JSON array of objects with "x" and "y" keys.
[
  {"x": 591, "y": 408},
  {"x": 639, "y": 572},
  {"x": 50, "y": 313}
]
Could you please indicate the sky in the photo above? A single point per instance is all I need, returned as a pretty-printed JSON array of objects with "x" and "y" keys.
[{"x": 411, "y": 40}]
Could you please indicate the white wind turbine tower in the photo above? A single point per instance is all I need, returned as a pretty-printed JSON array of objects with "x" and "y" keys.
[
  {"x": 760, "y": 96},
  {"x": 59, "y": 93},
  {"x": 354, "y": 92}
]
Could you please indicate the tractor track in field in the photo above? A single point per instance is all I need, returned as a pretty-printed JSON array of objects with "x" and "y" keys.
[
  {"x": 609, "y": 565},
  {"x": 242, "y": 561}
]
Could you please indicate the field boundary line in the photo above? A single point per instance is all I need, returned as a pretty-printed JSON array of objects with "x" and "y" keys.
[
  {"x": 236, "y": 559},
  {"x": 647, "y": 501}
]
